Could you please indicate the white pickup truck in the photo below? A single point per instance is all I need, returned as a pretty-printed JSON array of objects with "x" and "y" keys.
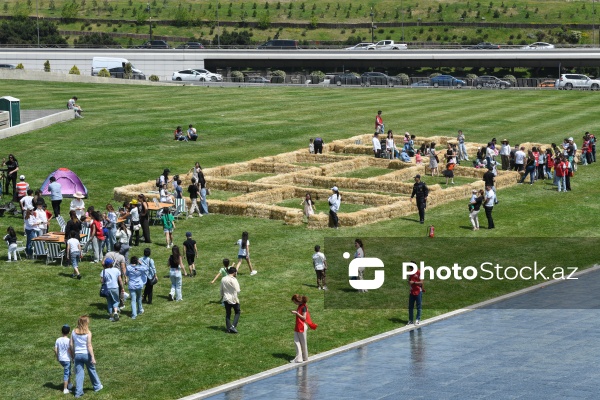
[{"x": 387, "y": 45}]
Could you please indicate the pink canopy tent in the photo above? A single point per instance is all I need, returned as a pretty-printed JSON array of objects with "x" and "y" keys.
[{"x": 69, "y": 182}]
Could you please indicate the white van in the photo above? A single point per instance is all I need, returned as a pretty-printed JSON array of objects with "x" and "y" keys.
[{"x": 112, "y": 63}]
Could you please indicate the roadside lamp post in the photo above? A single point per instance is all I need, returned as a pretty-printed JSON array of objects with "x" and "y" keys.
[
  {"x": 149, "y": 18},
  {"x": 372, "y": 26}
]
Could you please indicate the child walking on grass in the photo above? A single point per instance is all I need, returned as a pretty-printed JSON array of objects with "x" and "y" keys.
[
  {"x": 191, "y": 252},
  {"x": 244, "y": 253},
  {"x": 11, "y": 239},
  {"x": 222, "y": 272},
  {"x": 168, "y": 225},
  {"x": 62, "y": 350}
]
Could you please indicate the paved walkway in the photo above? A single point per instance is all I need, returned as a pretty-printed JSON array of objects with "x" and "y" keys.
[{"x": 534, "y": 346}]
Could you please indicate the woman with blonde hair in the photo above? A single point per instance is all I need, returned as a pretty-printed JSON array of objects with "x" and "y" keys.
[{"x": 83, "y": 351}]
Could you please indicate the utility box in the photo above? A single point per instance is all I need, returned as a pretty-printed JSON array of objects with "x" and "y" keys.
[{"x": 13, "y": 106}]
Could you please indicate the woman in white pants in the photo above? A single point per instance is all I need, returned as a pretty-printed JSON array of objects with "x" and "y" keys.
[
  {"x": 475, "y": 205},
  {"x": 303, "y": 322}
]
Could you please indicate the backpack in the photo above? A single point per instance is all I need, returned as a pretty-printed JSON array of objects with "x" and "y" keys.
[{"x": 158, "y": 185}]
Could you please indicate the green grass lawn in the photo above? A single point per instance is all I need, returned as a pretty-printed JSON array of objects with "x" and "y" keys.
[
  {"x": 250, "y": 176},
  {"x": 176, "y": 349},
  {"x": 364, "y": 173},
  {"x": 458, "y": 180}
]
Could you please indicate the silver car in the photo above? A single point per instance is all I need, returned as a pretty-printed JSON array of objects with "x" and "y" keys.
[
  {"x": 360, "y": 46},
  {"x": 188, "y": 75}
]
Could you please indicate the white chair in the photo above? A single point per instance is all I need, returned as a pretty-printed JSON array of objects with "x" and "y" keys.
[
  {"x": 180, "y": 208},
  {"x": 20, "y": 248},
  {"x": 85, "y": 241},
  {"x": 55, "y": 252},
  {"x": 61, "y": 223},
  {"x": 39, "y": 249}
]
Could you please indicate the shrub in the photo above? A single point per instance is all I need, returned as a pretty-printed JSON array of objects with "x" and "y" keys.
[
  {"x": 153, "y": 78},
  {"x": 511, "y": 79},
  {"x": 471, "y": 77},
  {"x": 278, "y": 76},
  {"x": 47, "y": 66},
  {"x": 320, "y": 74},
  {"x": 237, "y": 76},
  {"x": 434, "y": 75},
  {"x": 104, "y": 73},
  {"x": 20, "y": 66},
  {"x": 74, "y": 71},
  {"x": 404, "y": 79}
]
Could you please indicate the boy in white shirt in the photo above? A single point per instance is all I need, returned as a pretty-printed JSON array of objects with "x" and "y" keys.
[
  {"x": 62, "y": 349},
  {"x": 320, "y": 264}
]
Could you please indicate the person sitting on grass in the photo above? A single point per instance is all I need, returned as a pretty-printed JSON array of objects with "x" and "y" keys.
[
  {"x": 72, "y": 105},
  {"x": 191, "y": 134},
  {"x": 178, "y": 135},
  {"x": 165, "y": 196}
]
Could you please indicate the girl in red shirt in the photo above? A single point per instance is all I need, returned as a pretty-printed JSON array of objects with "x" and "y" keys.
[
  {"x": 97, "y": 235},
  {"x": 302, "y": 321}
]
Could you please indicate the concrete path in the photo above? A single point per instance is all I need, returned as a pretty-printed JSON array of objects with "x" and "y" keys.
[{"x": 540, "y": 345}]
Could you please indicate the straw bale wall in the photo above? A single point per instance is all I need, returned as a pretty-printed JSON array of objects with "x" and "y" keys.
[
  {"x": 228, "y": 170},
  {"x": 347, "y": 165},
  {"x": 288, "y": 179},
  {"x": 256, "y": 210},
  {"x": 275, "y": 195},
  {"x": 260, "y": 198},
  {"x": 318, "y": 158},
  {"x": 274, "y": 168},
  {"x": 231, "y": 185}
]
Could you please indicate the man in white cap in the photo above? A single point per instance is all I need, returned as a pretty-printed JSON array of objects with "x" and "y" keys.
[
  {"x": 334, "y": 206},
  {"x": 22, "y": 187}
]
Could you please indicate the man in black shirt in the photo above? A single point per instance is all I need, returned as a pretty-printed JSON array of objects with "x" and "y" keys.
[
  {"x": 191, "y": 252},
  {"x": 490, "y": 180},
  {"x": 193, "y": 191},
  {"x": 421, "y": 191},
  {"x": 12, "y": 166}
]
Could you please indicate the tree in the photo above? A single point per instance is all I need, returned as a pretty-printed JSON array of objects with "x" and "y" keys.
[
  {"x": 264, "y": 22},
  {"x": 69, "y": 12},
  {"x": 23, "y": 31},
  {"x": 235, "y": 38}
]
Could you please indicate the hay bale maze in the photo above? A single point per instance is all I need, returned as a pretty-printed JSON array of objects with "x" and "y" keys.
[{"x": 287, "y": 177}]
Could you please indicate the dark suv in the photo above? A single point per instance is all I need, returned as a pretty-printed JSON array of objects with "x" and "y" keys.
[
  {"x": 119, "y": 72},
  {"x": 155, "y": 44}
]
